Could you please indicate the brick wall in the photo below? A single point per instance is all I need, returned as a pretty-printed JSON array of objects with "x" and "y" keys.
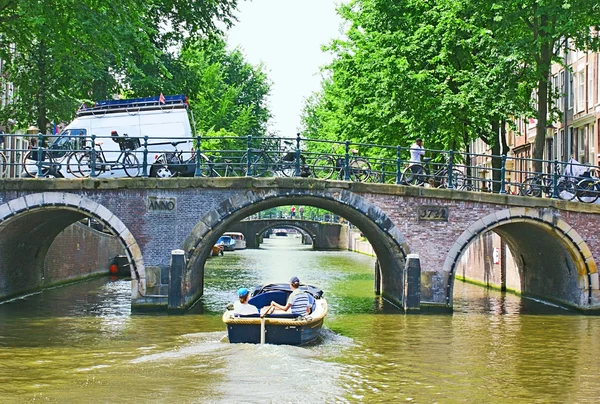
[{"x": 78, "y": 252}]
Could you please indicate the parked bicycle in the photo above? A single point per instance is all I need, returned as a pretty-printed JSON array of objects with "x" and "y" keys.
[
  {"x": 588, "y": 190},
  {"x": 275, "y": 158},
  {"x": 326, "y": 165},
  {"x": 418, "y": 174},
  {"x": 126, "y": 161},
  {"x": 3, "y": 164},
  {"x": 49, "y": 162},
  {"x": 539, "y": 184}
]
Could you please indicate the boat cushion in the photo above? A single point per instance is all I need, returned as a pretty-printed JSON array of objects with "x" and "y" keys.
[{"x": 265, "y": 299}]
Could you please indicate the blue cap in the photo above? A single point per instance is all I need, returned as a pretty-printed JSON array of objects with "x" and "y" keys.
[
  {"x": 243, "y": 292},
  {"x": 294, "y": 279}
]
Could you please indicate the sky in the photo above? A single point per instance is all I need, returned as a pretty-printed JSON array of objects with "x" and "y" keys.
[{"x": 286, "y": 36}]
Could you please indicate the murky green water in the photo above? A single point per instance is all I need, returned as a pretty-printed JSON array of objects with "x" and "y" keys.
[{"x": 80, "y": 344}]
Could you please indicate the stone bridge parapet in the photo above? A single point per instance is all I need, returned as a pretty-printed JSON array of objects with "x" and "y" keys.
[{"x": 555, "y": 242}]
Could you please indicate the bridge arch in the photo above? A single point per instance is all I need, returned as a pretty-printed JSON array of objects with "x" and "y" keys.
[
  {"x": 29, "y": 224},
  {"x": 304, "y": 230},
  {"x": 388, "y": 242},
  {"x": 538, "y": 240},
  {"x": 322, "y": 235}
]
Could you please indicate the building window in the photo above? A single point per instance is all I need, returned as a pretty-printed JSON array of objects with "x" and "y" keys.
[
  {"x": 590, "y": 88},
  {"x": 580, "y": 90},
  {"x": 561, "y": 89},
  {"x": 570, "y": 95},
  {"x": 591, "y": 142},
  {"x": 581, "y": 155}
]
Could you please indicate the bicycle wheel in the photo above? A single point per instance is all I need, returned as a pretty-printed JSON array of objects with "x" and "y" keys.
[
  {"x": 3, "y": 164},
  {"x": 532, "y": 186},
  {"x": 84, "y": 164},
  {"x": 73, "y": 164},
  {"x": 131, "y": 165},
  {"x": 458, "y": 180},
  {"x": 31, "y": 164},
  {"x": 567, "y": 190},
  {"x": 323, "y": 167},
  {"x": 414, "y": 174},
  {"x": 257, "y": 164},
  {"x": 587, "y": 191},
  {"x": 287, "y": 168},
  {"x": 360, "y": 169}
]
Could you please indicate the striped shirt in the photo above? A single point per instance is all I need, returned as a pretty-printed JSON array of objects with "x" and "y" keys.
[{"x": 299, "y": 301}]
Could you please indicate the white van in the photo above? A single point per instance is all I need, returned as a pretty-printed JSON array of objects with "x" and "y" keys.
[{"x": 119, "y": 126}]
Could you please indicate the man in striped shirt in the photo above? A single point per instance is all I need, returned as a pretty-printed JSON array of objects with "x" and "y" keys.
[{"x": 297, "y": 303}]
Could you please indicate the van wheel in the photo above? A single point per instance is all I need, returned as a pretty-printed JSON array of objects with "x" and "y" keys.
[{"x": 161, "y": 172}]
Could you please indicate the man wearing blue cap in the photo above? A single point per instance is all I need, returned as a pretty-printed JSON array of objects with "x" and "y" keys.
[
  {"x": 297, "y": 302},
  {"x": 242, "y": 306}
]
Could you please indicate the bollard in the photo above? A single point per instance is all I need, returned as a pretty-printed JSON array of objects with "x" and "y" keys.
[
  {"x": 377, "y": 279},
  {"x": 412, "y": 284},
  {"x": 176, "y": 297}
]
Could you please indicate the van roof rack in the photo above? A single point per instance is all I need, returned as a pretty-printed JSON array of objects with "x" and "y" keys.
[{"x": 134, "y": 105}]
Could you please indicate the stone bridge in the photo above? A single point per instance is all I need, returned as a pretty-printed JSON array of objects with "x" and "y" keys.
[
  {"x": 555, "y": 243},
  {"x": 322, "y": 235}
]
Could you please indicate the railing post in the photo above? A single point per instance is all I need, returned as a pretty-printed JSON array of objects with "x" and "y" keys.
[
  {"x": 398, "y": 165},
  {"x": 40, "y": 154},
  {"x": 383, "y": 172},
  {"x": 503, "y": 176},
  {"x": 145, "y": 159},
  {"x": 347, "y": 162},
  {"x": 249, "y": 156},
  {"x": 555, "y": 180},
  {"x": 93, "y": 157},
  {"x": 198, "y": 172},
  {"x": 450, "y": 173},
  {"x": 297, "y": 174}
]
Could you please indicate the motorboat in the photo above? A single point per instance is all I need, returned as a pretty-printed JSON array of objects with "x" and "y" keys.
[
  {"x": 282, "y": 328},
  {"x": 217, "y": 250},
  {"x": 240, "y": 240},
  {"x": 226, "y": 242}
]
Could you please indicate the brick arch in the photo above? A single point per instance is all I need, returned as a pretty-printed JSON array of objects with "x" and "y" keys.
[
  {"x": 303, "y": 229},
  {"x": 51, "y": 212},
  {"x": 558, "y": 236},
  {"x": 389, "y": 243}
]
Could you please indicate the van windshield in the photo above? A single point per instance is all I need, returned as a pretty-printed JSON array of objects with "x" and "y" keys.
[{"x": 69, "y": 139}]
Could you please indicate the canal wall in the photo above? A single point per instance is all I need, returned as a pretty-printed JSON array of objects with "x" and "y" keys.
[
  {"x": 358, "y": 243},
  {"x": 489, "y": 262},
  {"x": 79, "y": 252},
  {"x": 483, "y": 263}
]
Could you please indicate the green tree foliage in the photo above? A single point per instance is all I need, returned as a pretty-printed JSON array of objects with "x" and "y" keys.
[
  {"x": 448, "y": 71},
  {"x": 225, "y": 92},
  {"x": 539, "y": 31},
  {"x": 63, "y": 52},
  {"x": 415, "y": 69}
]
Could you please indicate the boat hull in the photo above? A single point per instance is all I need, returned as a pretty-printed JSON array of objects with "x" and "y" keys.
[{"x": 279, "y": 330}]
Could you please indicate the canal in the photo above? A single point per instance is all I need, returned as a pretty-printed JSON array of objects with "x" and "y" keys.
[{"x": 80, "y": 343}]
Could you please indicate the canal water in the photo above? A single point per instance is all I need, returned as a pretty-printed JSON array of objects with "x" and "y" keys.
[{"x": 80, "y": 343}]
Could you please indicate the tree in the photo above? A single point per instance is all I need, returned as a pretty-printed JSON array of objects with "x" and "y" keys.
[
  {"x": 416, "y": 69},
  {"x": 60, "y": 52},
  {"x": 541, "y": 30}
]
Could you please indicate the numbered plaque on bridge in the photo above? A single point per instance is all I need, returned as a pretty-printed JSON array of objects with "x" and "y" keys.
[{"x": 433, "y": 213}]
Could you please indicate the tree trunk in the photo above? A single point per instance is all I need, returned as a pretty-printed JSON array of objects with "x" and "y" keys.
[{"x": 544, "y": 63}]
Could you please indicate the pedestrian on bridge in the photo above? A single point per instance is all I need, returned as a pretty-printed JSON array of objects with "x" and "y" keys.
[
  {"x": 293, "y": 212},
  {"x": 301, "y": 210},
  {"x": 416, "y": 151}
]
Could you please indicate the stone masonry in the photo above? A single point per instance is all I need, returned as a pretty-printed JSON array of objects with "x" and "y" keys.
[{"x": 555, "y": 242}]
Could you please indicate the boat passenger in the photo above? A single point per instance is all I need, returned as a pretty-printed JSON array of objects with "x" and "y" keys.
[
  {"x": 297, "y": 303},
  {"x": 242, "y": 306}
]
